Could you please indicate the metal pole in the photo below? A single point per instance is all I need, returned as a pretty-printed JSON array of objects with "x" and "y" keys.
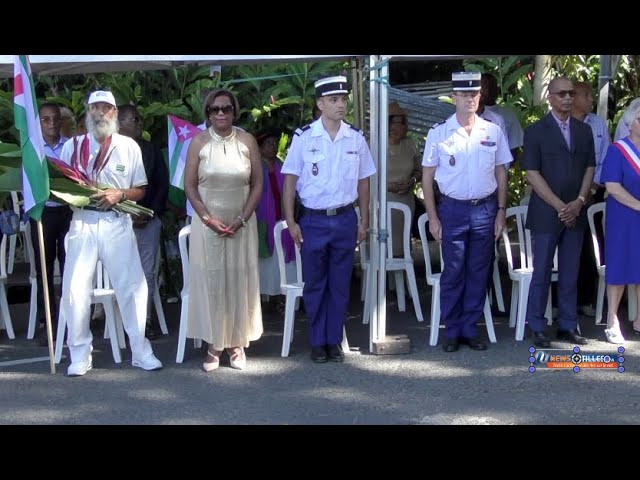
[
  {"x": 372, "y": 301},
  {"x": 383, "y": 138},
  {"x": 45, "y": 291}
]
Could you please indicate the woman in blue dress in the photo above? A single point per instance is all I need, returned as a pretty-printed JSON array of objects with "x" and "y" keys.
[{"x": 621, "y": 176}]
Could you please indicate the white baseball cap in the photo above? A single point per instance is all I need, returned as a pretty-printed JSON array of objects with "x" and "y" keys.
[{"x": 101, "y": 96}]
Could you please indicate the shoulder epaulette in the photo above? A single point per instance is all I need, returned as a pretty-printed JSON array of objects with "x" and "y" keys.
[
  {"x": 438, "y": 124},
  {"x": 354, "y": 128},
  {"x": 302, "y": 129},
  {"x": 487, "y": 119}
]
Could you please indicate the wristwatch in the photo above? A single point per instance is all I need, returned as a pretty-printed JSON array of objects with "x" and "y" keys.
[
  {"x": 582, "y": 199},
  {"x": 205, "y": 219}
]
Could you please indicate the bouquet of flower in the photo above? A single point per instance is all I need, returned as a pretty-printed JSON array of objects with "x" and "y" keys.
[{"x": 66, "y": 184}]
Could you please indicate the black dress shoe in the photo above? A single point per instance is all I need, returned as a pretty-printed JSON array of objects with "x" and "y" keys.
[
  {"x": 451, "y": 345},
  {"x": 572, "y": 336},
  {"x": 540, "y": 340},
  {"x": 474, "y": 343},
  {"x": 334, "y": 353},
  {"x": 318, "y": 354}
]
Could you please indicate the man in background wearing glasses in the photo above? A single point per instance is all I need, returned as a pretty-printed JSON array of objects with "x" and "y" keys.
[
  {"x": 559, "y": 158},
  {"x": 147, "y": 229},
  {"x": 56, "y": 218}
]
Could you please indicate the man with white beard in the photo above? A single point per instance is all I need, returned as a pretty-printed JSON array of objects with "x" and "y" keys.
[{"x": 101, "y": 233}]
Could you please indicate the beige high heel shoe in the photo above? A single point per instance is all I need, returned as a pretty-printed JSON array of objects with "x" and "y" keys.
[
  {"x": 238, "y": 359},
  {"x": 214, "y": 364}
]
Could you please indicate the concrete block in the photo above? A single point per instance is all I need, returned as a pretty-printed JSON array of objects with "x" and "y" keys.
[{"x": 392, "y": 345}]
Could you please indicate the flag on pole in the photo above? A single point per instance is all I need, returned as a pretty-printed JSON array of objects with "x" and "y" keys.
[
  {"x": 180, "y": 134},
  {"x": 35, "y": 173}
]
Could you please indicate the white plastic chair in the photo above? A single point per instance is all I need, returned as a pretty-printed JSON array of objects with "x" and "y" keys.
[
  {"x": 433, "y": 279},
  {"x": 497, "y": 284},
  {"x": 104, "y": 294},
  {"x": 5, "y": 317},
  {"x": 22, "y": 234},
  {"x": 292, "y": 291},
  {"x": 520, "y": 276},
  {"x": 33, "y": 280},
  {"x": 183, "y": 239},
  {"x": 398, "y": 265}
]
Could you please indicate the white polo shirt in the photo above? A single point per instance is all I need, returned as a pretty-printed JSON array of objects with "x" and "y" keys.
[
  {"x": 124, "y": 167},
  {"x": 338, "y": 164},
  {"x": 465, "y": 164}
]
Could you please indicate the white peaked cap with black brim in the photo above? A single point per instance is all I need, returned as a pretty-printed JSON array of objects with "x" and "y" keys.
[
  {"x": 332, "y": 86},
  {"x": 465, "y": 81}
]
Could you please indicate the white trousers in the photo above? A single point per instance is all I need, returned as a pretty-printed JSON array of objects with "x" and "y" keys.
[{"x": 109, "y": 237}]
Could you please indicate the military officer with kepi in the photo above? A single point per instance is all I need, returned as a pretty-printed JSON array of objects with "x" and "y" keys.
[
  {"x": 467, "y": 156},
  {"x": 329, "y": 165}
]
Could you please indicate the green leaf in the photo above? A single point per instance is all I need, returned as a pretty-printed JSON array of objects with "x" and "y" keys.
[{"x": 71, "y": 199}]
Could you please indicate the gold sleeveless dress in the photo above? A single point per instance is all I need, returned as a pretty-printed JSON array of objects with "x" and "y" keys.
[{"x": 224, "y": 288}]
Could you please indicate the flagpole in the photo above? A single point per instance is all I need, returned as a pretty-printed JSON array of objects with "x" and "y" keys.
[{"x": 45, "y": 291}]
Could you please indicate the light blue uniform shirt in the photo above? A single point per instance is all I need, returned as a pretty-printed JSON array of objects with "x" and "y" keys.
[
  {"x": 601, "y": 141},
  {"x": 465, "y": 164}
]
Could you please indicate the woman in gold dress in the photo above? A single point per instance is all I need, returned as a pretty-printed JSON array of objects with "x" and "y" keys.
[
  {"x": 223, "y": 182},
  {"x": 404, "y": 170}
]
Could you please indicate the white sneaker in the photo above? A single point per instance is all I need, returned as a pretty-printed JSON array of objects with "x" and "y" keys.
[
  {"x": 614, "y": 335},
  {"x": 149, "y": 363},
  {"x": 77, "y": 369}
]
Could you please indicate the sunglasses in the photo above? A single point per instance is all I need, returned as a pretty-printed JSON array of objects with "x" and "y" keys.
[
  {"x": 564, "y": 93},
  {"x": 227, "y": 109}
]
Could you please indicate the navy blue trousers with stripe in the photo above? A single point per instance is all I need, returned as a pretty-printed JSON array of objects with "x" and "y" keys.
[
  {"x": 327, "y": 263},
  {"x": 467, "y": 251}
]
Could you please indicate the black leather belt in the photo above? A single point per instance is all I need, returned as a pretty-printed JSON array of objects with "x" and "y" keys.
[
  {"x": 328, "y": 212},
  {"x": 472, "y": 202}
]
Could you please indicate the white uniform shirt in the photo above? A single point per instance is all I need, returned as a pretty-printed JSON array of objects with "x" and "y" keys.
[
  {"x": 124, "y": 168},
  {"x": 339, "y": 164},
  {"x": 515, "y": 134},
  {"x": 601, "y": 140},
  {"x": 466, "y": 163}
]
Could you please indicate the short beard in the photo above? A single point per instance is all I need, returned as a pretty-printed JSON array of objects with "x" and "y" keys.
[{"x": 100, "y": 132}]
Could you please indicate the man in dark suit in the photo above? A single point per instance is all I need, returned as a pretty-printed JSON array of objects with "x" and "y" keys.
[{"x": 559, "y": 159}]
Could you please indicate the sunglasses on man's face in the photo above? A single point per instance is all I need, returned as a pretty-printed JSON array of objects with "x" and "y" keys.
[
  {"x": 564, "y": 93},
  {"x": 215, "y": 109}
]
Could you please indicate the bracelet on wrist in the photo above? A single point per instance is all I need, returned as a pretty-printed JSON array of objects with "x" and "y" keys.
[
  {"x": 244, "y": 222},
  {"x": 502, "y": 208},
  {"x": 124, "y": 195},
  {"x": 205, "y": 219},
  {"x": 582, "y": 199}
]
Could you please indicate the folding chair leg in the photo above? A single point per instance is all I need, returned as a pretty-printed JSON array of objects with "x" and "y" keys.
[
  {"x": 632, "y": 303},
  {"x": 413, "y": 288},
  {"x": 157, "y": 303},
  {"x": 345, "y": 342},
  {"x": 402, "y": 306},
  {"x": 110, "y": 324},
  {"x": 289, "y": 314},
  {"x": 182, "y": 331},
  {"x": 513, "y": 311},
  {"x": 488, "y": 319},
  {"x": 62, "y": 324},
  {"x": 33, "y": 309},
  {"x": 497, "y": 286},
  {"x": 435, "y": 315},
  {"x": 523, "y": 300},
  {"x": 6, "y": 316},
  {"x": 600, "y": 299}
]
